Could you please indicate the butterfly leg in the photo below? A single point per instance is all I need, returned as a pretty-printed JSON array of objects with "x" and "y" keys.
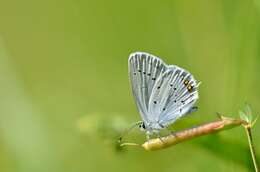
[
  {"x": 148, "y": 134},
  {"x": 159, "y": 136},
  {"x": 147, "y": 137},
  {"x": 170, "y": 132}
]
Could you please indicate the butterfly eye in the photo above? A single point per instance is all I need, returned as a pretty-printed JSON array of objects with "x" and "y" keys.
[{"x": 143, "y": 125}]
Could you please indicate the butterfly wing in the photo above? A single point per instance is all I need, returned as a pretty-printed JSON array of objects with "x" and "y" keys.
[
  {"x": 144, "y": 71},
  {"x": 173, "y": 95}
]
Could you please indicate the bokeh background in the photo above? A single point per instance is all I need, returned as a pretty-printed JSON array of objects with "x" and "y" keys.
[{"x": 65, "y": 94}]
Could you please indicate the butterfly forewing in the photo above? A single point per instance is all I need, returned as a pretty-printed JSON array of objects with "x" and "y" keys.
[{"x": 144, "y": 71}]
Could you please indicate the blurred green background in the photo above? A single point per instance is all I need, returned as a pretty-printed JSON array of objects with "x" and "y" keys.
[{"x": 64, "y": 90}]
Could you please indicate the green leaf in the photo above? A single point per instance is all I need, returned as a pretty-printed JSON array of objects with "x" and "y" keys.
[
  {"x": 243, "y": 116},
  {"x": 248, "y": 112}
]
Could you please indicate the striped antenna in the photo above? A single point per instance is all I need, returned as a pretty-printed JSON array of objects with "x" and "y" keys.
[
  {"x": 130, "y": 144},
  {"x": 128, "y": 130}
]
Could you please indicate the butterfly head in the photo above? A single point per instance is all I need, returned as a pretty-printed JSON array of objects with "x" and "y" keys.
[{"x": 142, "y": 126}]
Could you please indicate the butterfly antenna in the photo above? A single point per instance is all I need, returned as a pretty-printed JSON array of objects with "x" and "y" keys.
[
  {"x": 130, "y": 144},
  {"x": 128, "y": 130}
]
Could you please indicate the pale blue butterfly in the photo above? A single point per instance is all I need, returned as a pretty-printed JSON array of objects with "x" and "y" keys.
[{"x": 163, "y": 93}]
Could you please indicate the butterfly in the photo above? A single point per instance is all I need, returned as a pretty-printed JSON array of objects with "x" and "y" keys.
[{"x": 163, "y": 93}]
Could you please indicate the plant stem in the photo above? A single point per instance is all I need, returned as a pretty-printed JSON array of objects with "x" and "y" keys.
[
  {"x": 204, "y": 129},
  {"x": 251, "y": 146},
  {"x": 215, "y": 126}
]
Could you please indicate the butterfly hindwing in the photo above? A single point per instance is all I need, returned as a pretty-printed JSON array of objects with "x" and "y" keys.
[{"x": 173, "y": 95}]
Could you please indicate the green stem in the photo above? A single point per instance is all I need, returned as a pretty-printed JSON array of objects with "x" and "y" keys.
[{"x": 251, "y": 146}]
